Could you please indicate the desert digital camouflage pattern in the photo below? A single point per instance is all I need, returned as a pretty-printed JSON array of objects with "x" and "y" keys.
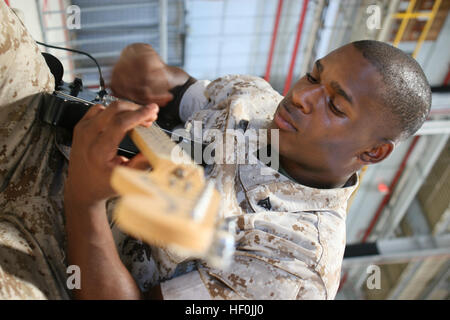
[
  {"x": 32, "y": 234},
  {"x": 290, "y": 238}
]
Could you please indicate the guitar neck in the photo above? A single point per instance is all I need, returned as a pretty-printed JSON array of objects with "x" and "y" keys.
[
  {"x": 159, "y": 149},
  {"x": 155, "y": 139}
]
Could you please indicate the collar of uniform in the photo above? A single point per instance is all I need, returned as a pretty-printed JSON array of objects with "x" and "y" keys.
[{"x": 287, "y": 195}]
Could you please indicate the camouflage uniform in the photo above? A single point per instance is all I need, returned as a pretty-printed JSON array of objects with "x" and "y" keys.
[
  {"x": 290, "y": 239},
  {"x": 32, "y": 236}
]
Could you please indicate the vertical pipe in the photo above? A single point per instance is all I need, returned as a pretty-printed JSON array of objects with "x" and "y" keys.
[
  {"x": 221, "y": 38},
  {"x": 274, "y": 38},
  {"x": 66, "y": 35},
  {"x": 163, "y": 36},
  {"x": 384, "y": 32},
  {"x": 329, "y": 20},
  {"x": 42, "y": 23},
  {"x": 287, "y": 84},
  {"x": 312, "y": 38}
]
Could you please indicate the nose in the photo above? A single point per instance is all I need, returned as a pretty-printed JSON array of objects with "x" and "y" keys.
[{"x": 306, "y": 98}]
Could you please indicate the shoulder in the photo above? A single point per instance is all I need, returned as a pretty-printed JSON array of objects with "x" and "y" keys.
[
  {"x": 23, "y": 70},
  {"x": 235, "y": 84}
]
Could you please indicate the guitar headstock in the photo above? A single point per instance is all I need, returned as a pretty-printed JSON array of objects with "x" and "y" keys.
[{"x": 172, "y": 205}]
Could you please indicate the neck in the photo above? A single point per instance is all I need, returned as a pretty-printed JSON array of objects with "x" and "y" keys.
[{"x": 320, "y": 179}]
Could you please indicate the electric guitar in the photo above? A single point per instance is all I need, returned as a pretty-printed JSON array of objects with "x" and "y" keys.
[{"x": 170, "y": 206}]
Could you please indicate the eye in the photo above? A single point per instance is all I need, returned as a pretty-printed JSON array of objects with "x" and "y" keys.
[
  {"x": 334, "y": 109},
  {"x": 310, "y": 78},
  {"x": 331, "y": 104}
]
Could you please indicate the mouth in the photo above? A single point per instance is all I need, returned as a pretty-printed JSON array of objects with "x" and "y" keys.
[{"x": 283, "y": 120}]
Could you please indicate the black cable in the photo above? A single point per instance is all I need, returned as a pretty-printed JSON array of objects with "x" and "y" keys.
[{"x": 102, "y": 81}]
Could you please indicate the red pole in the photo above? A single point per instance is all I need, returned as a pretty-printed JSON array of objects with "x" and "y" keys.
[
  {"x": 447, "y": 78},
  {"x": 274, "y": 38},
  {"x": 297, "y": 42},
  {"x": 7, "y": 2}
]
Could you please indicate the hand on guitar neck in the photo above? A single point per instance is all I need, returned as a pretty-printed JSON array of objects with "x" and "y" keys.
[{"x": 94, "y": 150}]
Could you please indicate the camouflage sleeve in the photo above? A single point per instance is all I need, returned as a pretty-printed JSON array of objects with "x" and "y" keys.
[
  {"x": 16, "y": 252},
  {"x": 24, "y": 145},
  {"x": 24, "y": 274},
  {"x": 23, "y": 68},
  {"x": 23, "y": 74},
  {"x": 206, "y": 96}
]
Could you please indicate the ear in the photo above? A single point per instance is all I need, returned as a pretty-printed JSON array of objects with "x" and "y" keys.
[{"x": 378, "y": 153}]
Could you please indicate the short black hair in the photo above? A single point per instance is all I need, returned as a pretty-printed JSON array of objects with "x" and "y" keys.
[{"x": 406, "y": 92}]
